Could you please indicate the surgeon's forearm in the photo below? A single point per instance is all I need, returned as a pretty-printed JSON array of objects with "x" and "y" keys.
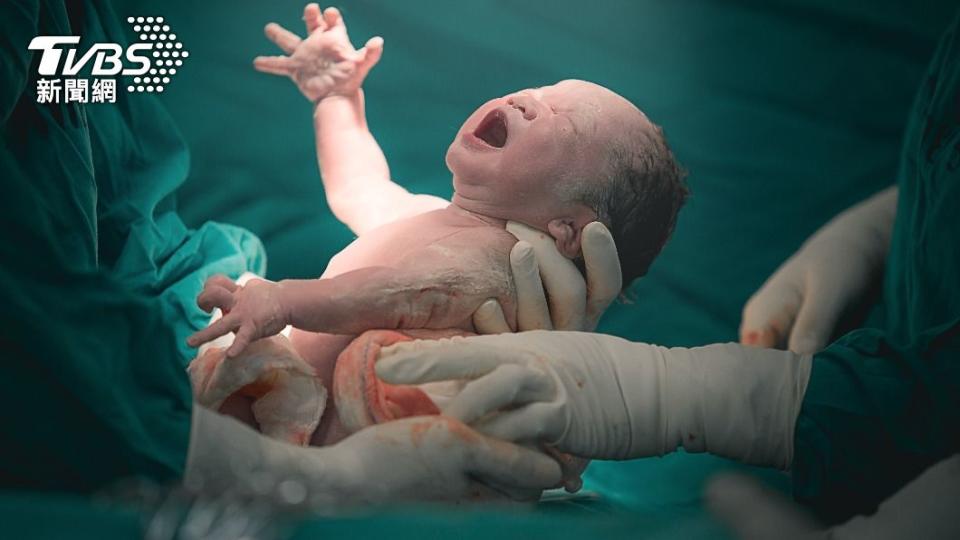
[
  {"x": 225, "y": 455},
  {"x": 378, "y": 298},
  {"x": 733, "y": 401}
]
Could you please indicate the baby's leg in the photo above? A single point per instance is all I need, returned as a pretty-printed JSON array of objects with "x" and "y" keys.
[
  {"x": 361, "y": 398},
  {"x": 320, "y": 351}
]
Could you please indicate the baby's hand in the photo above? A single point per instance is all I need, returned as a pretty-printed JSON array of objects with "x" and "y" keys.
[
  {"x": 253, "y": 311},
  {"x": 325, "y": 63}
]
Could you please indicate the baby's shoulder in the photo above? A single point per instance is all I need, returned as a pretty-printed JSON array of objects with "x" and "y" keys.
[
  {"x": 469, "y": 249},
  {"x": 485, "y": 239},
  {"x": 455, "y": 228}
]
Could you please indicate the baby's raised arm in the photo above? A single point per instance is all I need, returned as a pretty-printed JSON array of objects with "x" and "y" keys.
[
  {"x": 330, "y": 73},
  {"x": 437, "y": 287}
]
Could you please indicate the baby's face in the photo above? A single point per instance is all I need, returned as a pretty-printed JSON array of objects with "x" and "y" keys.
[{"x": 519, "y": 156}]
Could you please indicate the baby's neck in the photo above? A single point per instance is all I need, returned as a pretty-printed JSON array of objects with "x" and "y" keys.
[{"x": 489, "y": 220}]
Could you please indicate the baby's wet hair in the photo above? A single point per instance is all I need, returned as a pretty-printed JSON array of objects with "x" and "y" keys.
[{"x": 640, "y": 199}]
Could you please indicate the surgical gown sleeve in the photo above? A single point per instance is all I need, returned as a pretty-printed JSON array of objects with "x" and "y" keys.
[
  {"x": 98, "y": 273},
  {"x": 93, "y": 388},
  {"x": 883, "y": 404}
]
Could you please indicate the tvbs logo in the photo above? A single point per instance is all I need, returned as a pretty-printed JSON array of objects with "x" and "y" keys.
[
  {"x": 105, "y": 56},
  {"x": 87, "y": 77}
]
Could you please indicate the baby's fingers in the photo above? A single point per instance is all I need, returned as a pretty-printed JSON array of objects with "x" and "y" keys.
[
  {"x": 284, "y": 38},
  {"x": 245, "y": 335},
  {"x": 370, "y": 54},
  {"x": 215, "y": 297},
  {"x": 313, "y": 18},
  {"x": 224, "y": 326},
  {"x": 221, "y": 280},
  {"x": 277, "y": 65},
  {"x": 332, "y": 18}
]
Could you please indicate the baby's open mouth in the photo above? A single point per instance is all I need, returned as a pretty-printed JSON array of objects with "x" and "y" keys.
[{"x": 493, "y": 129}]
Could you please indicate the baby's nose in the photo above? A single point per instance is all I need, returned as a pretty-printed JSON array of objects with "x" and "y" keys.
[{"x": 524, "y": 104}]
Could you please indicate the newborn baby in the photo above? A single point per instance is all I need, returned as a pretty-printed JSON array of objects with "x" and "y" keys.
[{"x": 554, "y": 158}]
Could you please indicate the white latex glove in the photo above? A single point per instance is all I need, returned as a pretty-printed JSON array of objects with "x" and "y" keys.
[
  {"x": 602, "y": 397},
  {"x": 800, "y": 304},
  {"x": 569, "y": 302},
  {"x": 414, "y": 459},
  {"x": 924, "y": 508}
]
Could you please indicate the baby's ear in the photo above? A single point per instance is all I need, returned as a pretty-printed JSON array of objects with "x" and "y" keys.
[{"x": 566, "y": 233}]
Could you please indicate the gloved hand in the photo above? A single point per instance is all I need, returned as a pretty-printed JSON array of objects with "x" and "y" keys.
[
  {"x": 414, "y": 459},
  {"x": 924, "y": 508},
  {"x": 573, "y": 303},
  {"x": 602, "y": 397},
  {"x": 799, "y": 305}
]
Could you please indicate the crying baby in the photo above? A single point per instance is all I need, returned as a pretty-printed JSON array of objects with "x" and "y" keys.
[{"x": 554, "y": 158}]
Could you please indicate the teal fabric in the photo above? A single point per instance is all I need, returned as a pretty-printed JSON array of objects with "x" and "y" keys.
[
  {"x": 97, "y": 273},
  {"x": 41, "y": 516},
  {"x": 883, "y": 404},
  {"x": 921, "y": 290}
]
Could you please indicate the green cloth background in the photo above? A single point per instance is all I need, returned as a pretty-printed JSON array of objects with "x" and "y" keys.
[{"x": 784, "y": 112}]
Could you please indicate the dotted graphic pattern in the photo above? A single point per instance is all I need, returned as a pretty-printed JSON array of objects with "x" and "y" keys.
[{"x": 168, "y": 54}]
